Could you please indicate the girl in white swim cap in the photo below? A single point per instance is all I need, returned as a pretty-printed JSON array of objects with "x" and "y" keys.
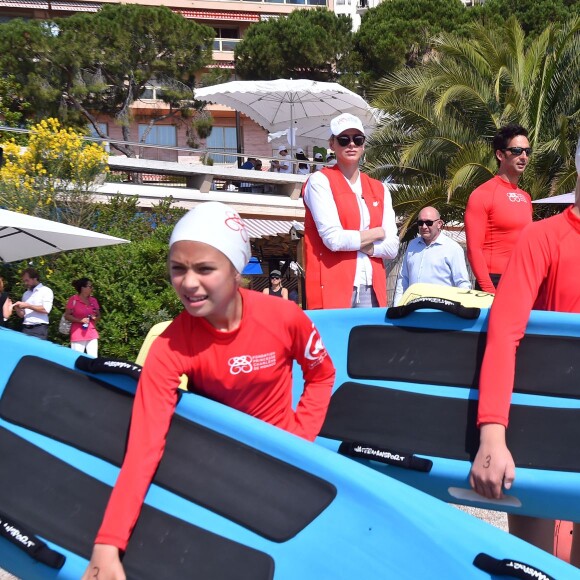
[
  {"x": 236, "y": 346},
  {"x": 209, "y": 248}
]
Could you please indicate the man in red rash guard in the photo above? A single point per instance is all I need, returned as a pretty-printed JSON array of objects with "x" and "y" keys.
[
  {"x": 497, "y": 211},
  {"x": 542, "y": 274},
  {"x": 236, "y": 347}
]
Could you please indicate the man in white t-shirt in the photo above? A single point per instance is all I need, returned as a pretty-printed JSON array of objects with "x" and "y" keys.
[{"x": 35, "y": 305}]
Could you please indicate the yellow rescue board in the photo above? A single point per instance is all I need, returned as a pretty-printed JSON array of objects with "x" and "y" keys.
[
  {"x": 470, "y": 298},
  {"x": 153, "y": 333}
]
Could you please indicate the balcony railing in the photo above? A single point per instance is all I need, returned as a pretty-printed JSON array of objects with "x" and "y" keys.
[
  {"x": 306, "y": 2},
  {"x": 225, "y": 44}
]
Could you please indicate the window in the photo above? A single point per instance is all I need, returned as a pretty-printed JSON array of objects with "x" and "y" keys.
[
  {"x": 159, "y": 135},
  {"x": 222, "y": 139},
  {"x": 226, "y": 39},
  {"x": 152, "y": 93}
]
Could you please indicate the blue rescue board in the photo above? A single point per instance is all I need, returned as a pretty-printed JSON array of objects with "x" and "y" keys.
[
  {"x": 233, "y": 498},
  {"x": 405, "y": 403}
]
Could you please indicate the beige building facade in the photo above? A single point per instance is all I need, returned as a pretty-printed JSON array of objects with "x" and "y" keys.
[{"x": 230, "y": 20}]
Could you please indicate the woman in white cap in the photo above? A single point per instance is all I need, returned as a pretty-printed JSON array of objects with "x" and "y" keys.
[
  {"x": 284, "y": 164},
  {"x": 349, "y": 228},
  {"x": 303, "y": 168},
  {"x": 276, "y": 288},
  {"x": 224, "y": 329},
  {"x": 319, "y": 162}
]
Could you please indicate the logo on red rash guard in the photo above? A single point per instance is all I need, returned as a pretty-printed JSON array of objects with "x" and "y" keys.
[
  {"x": 240, "y": 364},
  {"x": 315, "y": 350},
  {"x": 516, "y": 197},
  {"x": 247, "y": 363}
]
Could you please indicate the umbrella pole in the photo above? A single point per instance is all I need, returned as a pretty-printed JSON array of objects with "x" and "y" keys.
[{"x": 291, "y": 134}]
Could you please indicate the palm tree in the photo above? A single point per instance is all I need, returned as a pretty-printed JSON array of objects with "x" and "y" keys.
[{"x": 441, "y": 116}]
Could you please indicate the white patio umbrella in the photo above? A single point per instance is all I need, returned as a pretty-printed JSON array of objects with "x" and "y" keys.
[
  {"x": 567, "y": 198},
  {"x": 300, "y": 104},
  {"x": 24, "y": 236}
]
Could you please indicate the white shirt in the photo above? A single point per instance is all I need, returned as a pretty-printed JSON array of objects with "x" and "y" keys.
[
  {"x": 318, "y": 198},
  {"x": 441, "y": 262},
  {"x": 40, "y": 295},
  {"x": 285, "y": 164}
]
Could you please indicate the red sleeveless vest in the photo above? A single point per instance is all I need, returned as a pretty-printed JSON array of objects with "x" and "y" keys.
[{"x": 330, "y": 275}]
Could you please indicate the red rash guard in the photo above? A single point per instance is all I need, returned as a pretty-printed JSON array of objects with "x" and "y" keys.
[
  {"x": 496, "y": 213},
  {"x": 249, "y": 369},
  {"x": 543, "y": 274}
]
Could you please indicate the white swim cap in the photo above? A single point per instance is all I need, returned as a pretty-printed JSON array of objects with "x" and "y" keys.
[{"x": 219, "y": 226}]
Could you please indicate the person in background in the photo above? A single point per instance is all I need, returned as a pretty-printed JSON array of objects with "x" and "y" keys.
[
  {"x": 250, "y": 165},
  {"x": 35, "y": 305},
  {"x": 331, "y": 159},
  {"x": 319, "y": 162},
  {"x": 284, "y": 163},
  {"x": 432, "y": 257},
  {"x": 258, "y": 187},
  {"x": 209, "y": 248},
  {"x": 497, "y": 211},
  {"x": 276, "y": 288},
  {"x": 83, "y": 312},
  {"x": 303, "y": 168},
  {"x": 349, "y": 228},
  {"x": 293, "y": 295},
  {"x": 5, "y": 304},
  {"x": 542, "y": 274}
]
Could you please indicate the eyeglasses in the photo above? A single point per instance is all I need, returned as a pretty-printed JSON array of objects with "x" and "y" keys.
[
  {"x": 345, "y": 140},
  {"x": 517, "y": 151},
  {"x": 274, "y": 277},
  {"x": 427, "y": 223},
  {"x": 89, "y": 286}
]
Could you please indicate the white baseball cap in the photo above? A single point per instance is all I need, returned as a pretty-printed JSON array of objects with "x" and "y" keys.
[
  {"x": 218, "y": 225},
  {"x": 282, "y": 148},
  {"x": 299, "y": 150},
  {"x": 344, "y": 122},
  {"x": 318, "y": 156}
]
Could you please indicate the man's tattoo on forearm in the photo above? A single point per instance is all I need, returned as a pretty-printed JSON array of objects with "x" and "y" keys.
[
  {"x": 487, "y": 461},
  {"x": 96, "y": 570}
]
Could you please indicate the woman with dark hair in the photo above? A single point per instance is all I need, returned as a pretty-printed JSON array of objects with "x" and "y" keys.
[
  {"x": 83, "y": 312},
  {"x": 5, "y": 305}
]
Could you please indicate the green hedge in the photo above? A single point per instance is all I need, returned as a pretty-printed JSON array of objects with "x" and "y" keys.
[{"x": 130, "y": 280}]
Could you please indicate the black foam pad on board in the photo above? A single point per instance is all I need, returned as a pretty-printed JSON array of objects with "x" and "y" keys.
[
  {"x": 66, "y": 506},
  {"x": 413, "y": 423},
  {"x": 258, "y": 491}
]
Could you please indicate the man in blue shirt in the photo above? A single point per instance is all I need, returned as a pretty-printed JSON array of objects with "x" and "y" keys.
[
  {"x": 432, "y": 257},
  {"x": 250, "y": 164}
]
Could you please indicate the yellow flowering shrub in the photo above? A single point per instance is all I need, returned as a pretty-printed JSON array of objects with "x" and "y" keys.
[{"x": 53, "y": 175}]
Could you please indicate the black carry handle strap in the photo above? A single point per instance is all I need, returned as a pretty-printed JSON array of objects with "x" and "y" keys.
[
  {"x": 29, "y": 543},
  {"x": 511, "y": 568},
  {"x": 404, "y": 460},
  {"x": 108, "y": 365},
  {"x": 451, "y": 306}
]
